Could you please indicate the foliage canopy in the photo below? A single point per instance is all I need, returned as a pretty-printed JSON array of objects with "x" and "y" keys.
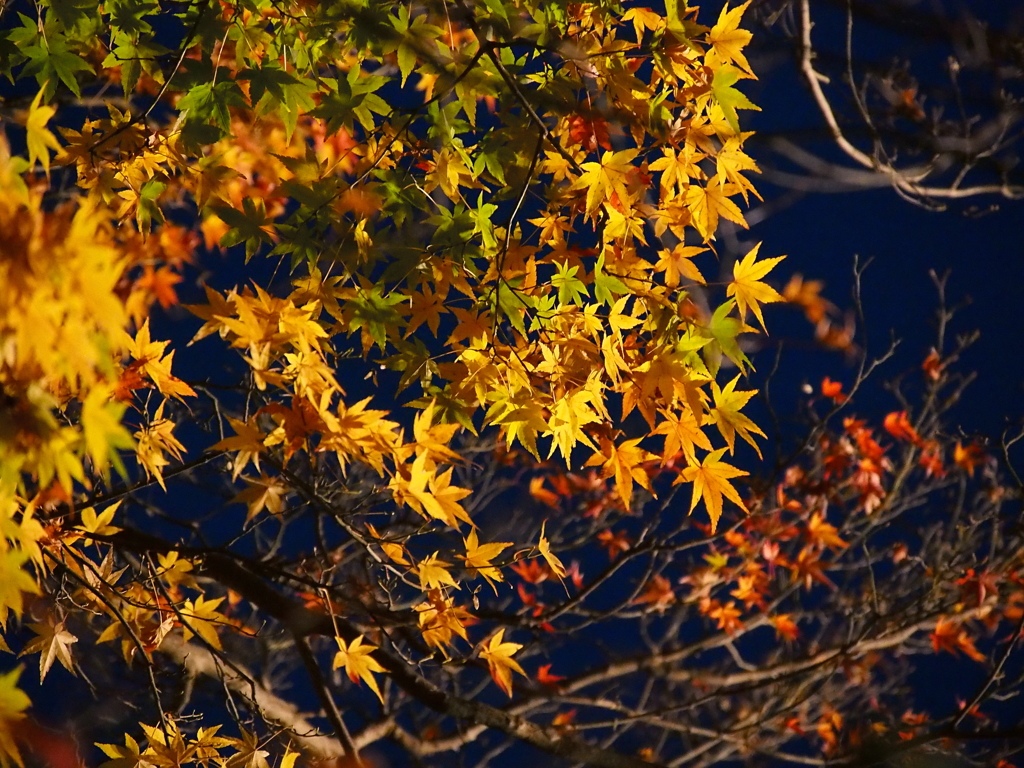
[{"x": 501, "y": 214}]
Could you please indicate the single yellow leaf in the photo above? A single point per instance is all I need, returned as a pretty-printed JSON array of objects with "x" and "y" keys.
[
  {"x": 39, "y": 139},
  {"x": 747, "y": 287},
  {"x": 544, "y": 546},
  {"x": 710, "y": 481},
  {"x": 498, "y": 655},
  {"x": 358, "y": 663}
]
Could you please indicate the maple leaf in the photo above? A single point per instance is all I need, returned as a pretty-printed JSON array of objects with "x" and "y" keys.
[
  {"x": 442, "y": 502},
  {"x": 544, "y": 547},
  {"x": 358, "y": 663},
  {"x": 727, "y": 40},
  {"x": 623, "y": 461},
  {"x": 433, "y": 573},
  {"x": 606, "y": 178},
  {"x": 785, "y": 627},
  {"x": 657, "y": 593},
  {"x": 833, "y": 390},
  {"x": 949, "y": 635},
  {"x": 731, "y": 161},
  {"x": 728, "y": 418},
  {"x": 498, "y": 655},
  {"x": 568, "y": 417},
  {"x": 544, "y": 676},
  {"x": 176, "y": 570},
  {"x": 747, "y": 287},
  {"x": 39, "y": 139},
  {"x": 152, "y": 363},
  {"x": 263, "y": 492},
  {"x": 127, "y": 756},
  {"x": 201, "y": 618},
  {"x": 615, "y": 543},
  {"x": 678, "y": 263},
  {"x": 248, "y": 754},
  {"x": 248, "y": 442},
  {"x": 824, "y": 534},
  {"x": 434, "y": 438},
  {"x": 727, "y": 617},
  {"x": 681, "y": 434},
  {"x": 521, "y": 417},
  {"x": 968, "y": 457},
  {"x": 153, "y": 441},
  {"x": 707, "y": 203},
  {"x": 440, "y": 620},
  {"x": 730, "y": 99},
  {"x": 13, "y": 703},
  {"x": 677, "y": 168},
  {"x": 99, "y": 524},
  {"x": 53, "y": 643},
  {"x": 426, "y": 307},
  {"x": 479, "y": 556},
  {"x": 710, "y": 481},
  {"x": 104, "y": 433},
  {"x": 395, "y": 551},
  {"x": 643, "y": 18},
  {"x": 619, "y": 320},
  {"x": 161, "y": 283}
]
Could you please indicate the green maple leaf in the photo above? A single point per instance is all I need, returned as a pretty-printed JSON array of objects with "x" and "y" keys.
[{"x": 729, "y": 98}]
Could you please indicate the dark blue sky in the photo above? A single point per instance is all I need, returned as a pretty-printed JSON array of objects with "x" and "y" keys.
[{"x": 821, "y": 234}]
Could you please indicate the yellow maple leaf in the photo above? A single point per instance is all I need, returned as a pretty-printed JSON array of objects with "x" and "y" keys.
[
  {"x": 603, "y": 179},
  {"x": 263, "y": 492},
  {"x": 13, "y": 703},
  {"x": 100, "y": 524},
  {"x": 248, "y": 442},
  {"x": 521, "y": 417},
  {"x": 730, "y": 163},
  {"x": 708, "y": 204},
  {"x": 643, "y": 18},
  {"x": 202, "y": 618},
  {"x": 433, "y": 439},
  {"x": 498, "y": 655},
  {"x": 39, "y": 139},
  {"x": 569, "y": 415},
  {"x": 544, "y": 547},
  {"x": 727, "y": 40},
  {"x": 728, "y": 418},
  {"x": 440, "y": 620},
  {"x": 623, "y": 462},
  {"x": 358, "y": 663},
  {"x": 434, "y": 574},
  {"x": 150, "y": 358},
  {"x": 103, "y": 431},
  {"x": 681, "y": 433},
  {"x": 747, "y": 287},
  {"x": 621, "y": 320},
  {"x": 443, "y": 500},
  {"x": 53, "y": 643},
  {"x": 677, "y": 168},
  {"x": 395, "y": 551},
  {"x": 710, "y": 481},
  {"x": 128, "y": 756},
  {"x": 479, "y": 556},
  {"x": 155, "y": 440},
  {"x": 678, "y": 263}
]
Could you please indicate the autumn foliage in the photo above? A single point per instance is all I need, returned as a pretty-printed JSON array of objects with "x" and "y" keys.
[{"x": 461, "y": 362}]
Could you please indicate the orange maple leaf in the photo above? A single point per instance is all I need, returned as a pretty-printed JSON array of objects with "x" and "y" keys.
[
  {"x": 161, "y": 283},
  {"x": 968, "y": 457}
]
